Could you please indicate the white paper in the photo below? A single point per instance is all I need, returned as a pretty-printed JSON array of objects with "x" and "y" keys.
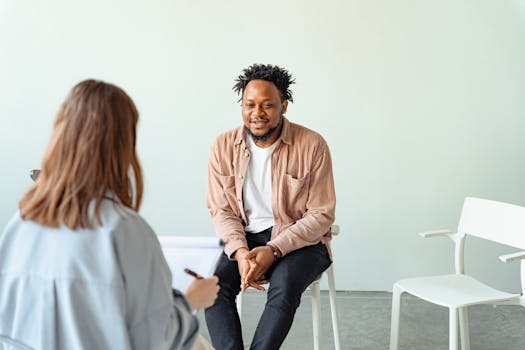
[{"x": 199, "y": 254}]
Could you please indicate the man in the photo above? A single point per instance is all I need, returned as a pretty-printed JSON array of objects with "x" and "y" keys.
[{"x": 272, "y": 200}]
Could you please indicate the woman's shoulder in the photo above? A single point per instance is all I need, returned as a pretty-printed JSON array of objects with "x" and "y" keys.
[
  {"x": 112, "y": 212},
  {"x": 122, "y": 220}
]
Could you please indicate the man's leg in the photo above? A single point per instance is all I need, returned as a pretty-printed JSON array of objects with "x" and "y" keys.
[
  {"x": 222, "y": 318},
  {"x": 289, "y": 277}
]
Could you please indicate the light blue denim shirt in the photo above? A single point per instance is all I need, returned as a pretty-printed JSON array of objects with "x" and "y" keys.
[{"x": 102, "y": 288}]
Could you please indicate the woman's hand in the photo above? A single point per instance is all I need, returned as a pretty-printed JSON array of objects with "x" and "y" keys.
[{"x": 201, "y": 293}]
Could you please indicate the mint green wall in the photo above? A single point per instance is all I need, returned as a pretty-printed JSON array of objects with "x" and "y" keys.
[{"x": 422, "y": 103}]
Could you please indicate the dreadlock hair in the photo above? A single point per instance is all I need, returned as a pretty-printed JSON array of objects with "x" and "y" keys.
[{"x": 275, "y": 74}]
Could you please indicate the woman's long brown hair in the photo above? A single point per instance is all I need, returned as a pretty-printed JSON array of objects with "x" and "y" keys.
[{"x": 91, "y": 154}]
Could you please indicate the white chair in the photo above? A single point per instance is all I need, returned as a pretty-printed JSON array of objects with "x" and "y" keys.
[
  {"x": 316, "y": 304},
  {"x": 494, "y": 221}
]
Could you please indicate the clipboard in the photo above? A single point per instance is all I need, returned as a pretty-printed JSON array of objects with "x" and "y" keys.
[{"x": 198, "y": 253}]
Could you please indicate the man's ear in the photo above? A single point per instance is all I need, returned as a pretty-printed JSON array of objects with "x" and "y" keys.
[{"x": 285, "y": 105}]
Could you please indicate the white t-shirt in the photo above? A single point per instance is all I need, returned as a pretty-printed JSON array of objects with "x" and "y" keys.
[{"x": 257, "y": 190}]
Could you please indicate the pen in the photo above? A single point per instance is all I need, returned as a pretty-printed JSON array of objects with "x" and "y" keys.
[{"x": 193, "y": 273}]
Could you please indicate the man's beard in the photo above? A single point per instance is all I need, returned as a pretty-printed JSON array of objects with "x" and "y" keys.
[{"x": 267, "y": 135}]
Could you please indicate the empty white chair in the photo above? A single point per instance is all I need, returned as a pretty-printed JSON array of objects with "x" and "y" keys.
[
  {"x": 316, "y": 303},
  {"x": 495, "y": 221}
]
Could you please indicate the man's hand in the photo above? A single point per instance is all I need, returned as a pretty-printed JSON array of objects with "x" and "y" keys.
[
  {"x": 243, "y": 264},
  {"x": 261, "y": 259}
]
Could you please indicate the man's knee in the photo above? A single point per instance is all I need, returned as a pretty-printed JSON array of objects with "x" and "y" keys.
[
  {"x": 285, "y": 296},
  {"x": 229, "y": 290}
]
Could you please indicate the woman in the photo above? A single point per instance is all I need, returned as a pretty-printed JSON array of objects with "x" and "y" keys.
[{"x": 79, "y": 268}]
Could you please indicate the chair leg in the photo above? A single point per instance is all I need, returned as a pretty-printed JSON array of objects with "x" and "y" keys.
[
  {"x": 333, "y": 306},
  {"x": 239, "y": 302},
  {"x": 394, "y": 322},
  {"x": 464, "y": 328},
  {"x": 316, "y": 314},
  {"x": 453, "y": 329}
]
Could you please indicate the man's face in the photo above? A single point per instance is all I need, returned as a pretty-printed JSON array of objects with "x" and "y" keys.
[{"x": 262, "y": 109}]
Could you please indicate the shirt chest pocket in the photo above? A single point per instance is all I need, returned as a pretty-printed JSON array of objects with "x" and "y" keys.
[{"x": 295, "y": 194}]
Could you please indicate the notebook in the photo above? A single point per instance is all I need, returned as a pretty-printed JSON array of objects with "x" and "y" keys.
[{"x": 198, "y": 253}]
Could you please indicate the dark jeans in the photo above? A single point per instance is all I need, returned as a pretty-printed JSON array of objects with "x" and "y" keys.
[{"x": 288, "y": 277}]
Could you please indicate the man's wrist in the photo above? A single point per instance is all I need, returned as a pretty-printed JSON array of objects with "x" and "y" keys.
[
  {"x": 241, "y": 251},
  {"x": 274, "y": 250}
]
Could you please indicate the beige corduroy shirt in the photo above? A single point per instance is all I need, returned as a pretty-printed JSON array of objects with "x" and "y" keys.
[{"x": 303, "y": 194}]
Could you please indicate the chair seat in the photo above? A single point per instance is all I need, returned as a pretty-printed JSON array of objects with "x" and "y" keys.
[{"x": 453, "y": 290}]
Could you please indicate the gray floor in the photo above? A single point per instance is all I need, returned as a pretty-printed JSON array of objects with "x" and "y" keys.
[{"x": 364, "y": 322}]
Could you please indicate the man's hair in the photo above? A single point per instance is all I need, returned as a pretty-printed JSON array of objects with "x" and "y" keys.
[
  {"x": 91, "y": 154},
  {"x": 277, "y": 75}
]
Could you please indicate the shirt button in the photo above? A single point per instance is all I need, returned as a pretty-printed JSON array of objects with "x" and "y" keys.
[
  {"x": 241, "y": 177},
  {"x": 246, "y": 154},
  {"x": 238, "y": 200}
]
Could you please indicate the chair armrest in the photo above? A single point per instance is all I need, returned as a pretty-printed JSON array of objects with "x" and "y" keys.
[
  {"x": 436, "y": 233},
  {"x": 459, "y": 244},
  {"x": 513, "y": 257}
]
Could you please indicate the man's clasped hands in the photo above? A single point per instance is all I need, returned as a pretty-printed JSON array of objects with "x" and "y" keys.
[{"x": 253, "y": 264}]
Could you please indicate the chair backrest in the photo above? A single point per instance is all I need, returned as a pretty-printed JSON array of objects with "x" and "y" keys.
[{"x": 496, "y": 221}]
